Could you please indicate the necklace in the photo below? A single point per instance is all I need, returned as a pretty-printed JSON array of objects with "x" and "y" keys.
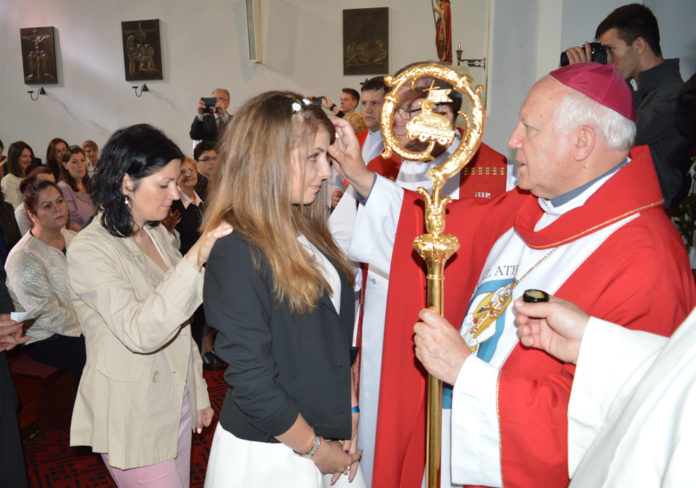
[{"x": 496, "y": 302}]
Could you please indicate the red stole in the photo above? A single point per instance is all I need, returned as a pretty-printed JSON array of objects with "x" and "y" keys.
[{"x": 362, "y": 137}]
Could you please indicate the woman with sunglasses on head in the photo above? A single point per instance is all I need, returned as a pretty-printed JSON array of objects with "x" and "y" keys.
[{"x": 279, "y": 292}]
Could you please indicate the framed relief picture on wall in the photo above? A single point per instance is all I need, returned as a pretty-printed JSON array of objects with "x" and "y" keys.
[
  {"x": 142, "y": 52},
  {"x": 366, "y": 41},
  {"x": 38, "y": 55},
  {"x": 253, "y": 30}
]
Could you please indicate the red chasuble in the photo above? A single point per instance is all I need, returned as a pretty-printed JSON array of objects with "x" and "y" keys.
[
  {"x": 639, "y": 277},
  {"x": 485, "y": 177}
]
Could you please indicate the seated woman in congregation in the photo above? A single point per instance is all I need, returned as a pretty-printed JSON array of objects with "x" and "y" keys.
[
  {"x": 142, "y": 391},
  {"x": 279, "y": 292},
  {"x": 19, "y": 157},
  {"x": 55, "y": 155},
  {"x": 75, "y": 185},
  {"x": 41, "y": 173},
  {"x": 37, "y": 277}
]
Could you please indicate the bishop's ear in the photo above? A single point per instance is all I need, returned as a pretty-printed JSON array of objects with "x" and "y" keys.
[{"x": 585, "y": 140}]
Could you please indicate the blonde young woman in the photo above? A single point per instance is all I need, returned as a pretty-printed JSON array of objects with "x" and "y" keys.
[{"x": 278, "y": 290}]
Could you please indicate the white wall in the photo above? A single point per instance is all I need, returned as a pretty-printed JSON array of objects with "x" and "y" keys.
[
  {"x": 204, "y": 46},
  {"x": 513, "y": 71}
]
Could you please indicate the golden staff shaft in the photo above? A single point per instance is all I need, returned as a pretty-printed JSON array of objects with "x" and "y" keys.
[
  {"x": 434, "y": 391},
  {"x": 435, "y": 247}
]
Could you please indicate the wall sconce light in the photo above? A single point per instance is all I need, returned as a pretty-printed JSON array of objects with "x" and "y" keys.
[
  {"x": 142, "y": 88},
  {"x": 38, "y": 93},
  {"x": 472, "y": 63}
]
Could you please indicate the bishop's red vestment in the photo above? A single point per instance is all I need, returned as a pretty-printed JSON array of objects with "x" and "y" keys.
[{"x": 639, "y": 276}]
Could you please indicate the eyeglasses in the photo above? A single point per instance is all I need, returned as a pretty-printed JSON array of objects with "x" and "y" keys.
[
  {"x": 207, "y": 158},
  {"x": 408, "y": 114},
  {"x": 187, "y": 171}
]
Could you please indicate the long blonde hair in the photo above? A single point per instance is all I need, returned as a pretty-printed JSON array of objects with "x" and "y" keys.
[{"x": 251, "y": 190}]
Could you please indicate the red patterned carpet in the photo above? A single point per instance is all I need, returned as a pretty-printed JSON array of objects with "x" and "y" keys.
[{"x": 52, "y": 463}]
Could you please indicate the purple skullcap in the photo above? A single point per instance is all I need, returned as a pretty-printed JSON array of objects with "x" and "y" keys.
[{"x": 602, "y": 83}]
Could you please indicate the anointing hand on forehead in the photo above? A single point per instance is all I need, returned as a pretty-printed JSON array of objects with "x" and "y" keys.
[
  {"x": 556, "y": 326},
  {"x": 347, "y": 157}
]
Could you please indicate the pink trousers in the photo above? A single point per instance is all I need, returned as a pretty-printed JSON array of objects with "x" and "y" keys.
[{"x": 172, "y": 473}]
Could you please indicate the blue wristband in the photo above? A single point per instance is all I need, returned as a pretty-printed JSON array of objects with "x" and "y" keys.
[{"x": 355, "y": 409}]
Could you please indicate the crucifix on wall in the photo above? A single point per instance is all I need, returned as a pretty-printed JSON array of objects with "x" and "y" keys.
[
  {"x": 142, "y": 52},
  {"x": 38, "y": 55}
]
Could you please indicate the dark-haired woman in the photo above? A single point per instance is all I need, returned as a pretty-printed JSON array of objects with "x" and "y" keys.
[
  {"x": 278, "y": 290},
  {"x": 39, "y": 172},
  {"x": 142, "y": 390},
  {"x": 75, "y": 187},
  {"x": 55, "y": 154},
  {"x": 37, "y": 277},
  {"x": 19, "y": 156}
]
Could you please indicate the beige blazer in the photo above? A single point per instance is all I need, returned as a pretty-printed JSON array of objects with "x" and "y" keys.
[{"x": 140, "y": 353}]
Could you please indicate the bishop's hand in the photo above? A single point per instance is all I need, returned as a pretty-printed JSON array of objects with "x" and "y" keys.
[
  {"x": 347, "y": 157},
  {"x": 439, "y": 347}
]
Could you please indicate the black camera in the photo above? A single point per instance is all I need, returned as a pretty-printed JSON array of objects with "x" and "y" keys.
[
  {"x": 598, "y": 54},
  {"x": 209, "y": 104}
]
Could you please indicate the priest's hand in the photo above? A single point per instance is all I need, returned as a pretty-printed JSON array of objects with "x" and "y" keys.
[
  {"x": 439, "y": 347},
  {"x": 556, "y": 326},
  {"x": 347, "y": 157}
]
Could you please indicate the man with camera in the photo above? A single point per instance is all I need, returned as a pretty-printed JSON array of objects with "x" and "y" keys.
[
  {"x": 211, "y": 117},
  {"x": 630, "y": 38}
]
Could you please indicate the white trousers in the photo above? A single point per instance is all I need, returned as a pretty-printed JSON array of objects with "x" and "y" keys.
[{"x": 240, "y": 463}]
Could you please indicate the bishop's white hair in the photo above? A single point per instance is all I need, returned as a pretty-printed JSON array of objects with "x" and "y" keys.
[{"x": 577, "y": 109}]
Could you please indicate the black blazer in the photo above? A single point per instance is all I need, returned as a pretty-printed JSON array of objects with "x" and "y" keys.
[
  {"x": 280, "y": 364},
  {"x": 206, "y": 129},
  {"x": 191, "y": 218}
]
